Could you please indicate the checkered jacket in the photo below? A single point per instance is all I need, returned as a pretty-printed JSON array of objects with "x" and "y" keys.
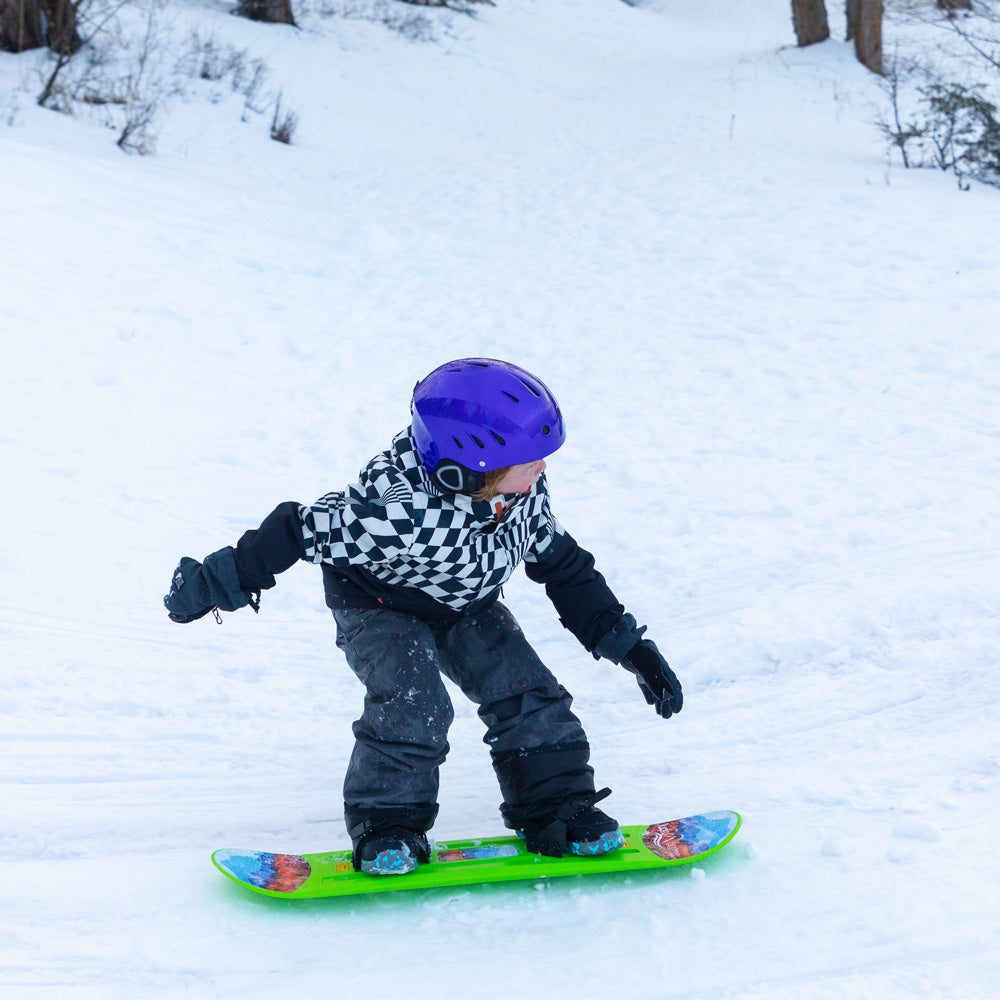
[
  {"x": 393, "y": 540},
  {"x": 396, "y": 526}
]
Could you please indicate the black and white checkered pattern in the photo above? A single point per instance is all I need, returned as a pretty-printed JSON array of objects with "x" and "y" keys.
[{"x": 397, "y": 525}]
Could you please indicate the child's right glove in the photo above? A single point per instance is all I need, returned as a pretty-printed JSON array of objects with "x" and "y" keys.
[
  {"x": 198, "y": 588},
  {"x": 658, "y": 683}
]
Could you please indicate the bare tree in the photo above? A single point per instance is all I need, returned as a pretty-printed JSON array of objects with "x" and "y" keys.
[
  {"x": 809, "y": 19},
  {"x": 953, "y": 5},
  {"x": 982, "y": 34}
]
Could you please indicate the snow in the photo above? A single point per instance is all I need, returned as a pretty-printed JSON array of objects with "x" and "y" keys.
[{"x": 777, "y": 355}]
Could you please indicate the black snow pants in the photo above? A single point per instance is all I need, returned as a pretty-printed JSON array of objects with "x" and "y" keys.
[{"x": 539, "y": 749}]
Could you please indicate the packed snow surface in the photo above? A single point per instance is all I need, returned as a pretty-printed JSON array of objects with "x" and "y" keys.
[{"x": 778, "y": 358}]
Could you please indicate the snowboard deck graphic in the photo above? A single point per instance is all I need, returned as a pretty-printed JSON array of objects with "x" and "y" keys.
[{"x": 469, "y": 862}]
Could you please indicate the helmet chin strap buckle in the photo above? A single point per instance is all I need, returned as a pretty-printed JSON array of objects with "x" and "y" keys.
[{"x": 456, "y": 478}]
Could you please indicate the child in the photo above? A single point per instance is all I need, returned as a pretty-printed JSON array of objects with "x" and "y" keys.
[{"x": 413, "y": 556}]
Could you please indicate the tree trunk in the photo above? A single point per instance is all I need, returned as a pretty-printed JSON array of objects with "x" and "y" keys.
[
  {"x": 852, "y": 10},
  {"x": 809, "y": 18},
  {"x": 951, "y": 5},
  {"x": 61, "y": 34},
  {"x": 271, "y": 11},
  {"x": 20, "y": 25},
  {"x": 868, "y": 39}
]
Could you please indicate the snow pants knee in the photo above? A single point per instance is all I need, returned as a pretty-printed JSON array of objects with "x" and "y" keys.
[{"x": 539, "y": 749}]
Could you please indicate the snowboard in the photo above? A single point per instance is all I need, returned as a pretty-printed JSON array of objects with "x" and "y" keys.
[{"x": 470, "y": 862}]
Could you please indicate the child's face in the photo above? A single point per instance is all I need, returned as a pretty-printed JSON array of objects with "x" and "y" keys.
[{"x": 520, "y": 478}]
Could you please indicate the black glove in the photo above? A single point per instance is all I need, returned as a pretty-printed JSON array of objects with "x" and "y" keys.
[
  {"x": 198, "y": 588},
  {"x": 658, "y": 683}
]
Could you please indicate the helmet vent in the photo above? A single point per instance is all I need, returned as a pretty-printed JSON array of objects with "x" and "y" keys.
[
  {"x": 478, "y": 442},
  {"x": 459, "y": 443},
  {"x": 499, "y": 440},
  {"x": 510, "y": 395},
  {"x": 532, "y": 389}
]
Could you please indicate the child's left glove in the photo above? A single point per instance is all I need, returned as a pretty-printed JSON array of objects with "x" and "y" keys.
[
  {"x": 198, "y": 588},
  {"x": 623, "y": 643},
  {"x": 658, "y": 683}
]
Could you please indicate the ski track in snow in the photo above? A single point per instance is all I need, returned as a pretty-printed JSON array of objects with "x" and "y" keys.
[{"x": 778, "y": 360}]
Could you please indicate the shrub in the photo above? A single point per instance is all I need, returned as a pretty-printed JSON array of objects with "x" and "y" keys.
[
  {"x": 955, "y": 128},
  {"x": 283, "y": 123}
]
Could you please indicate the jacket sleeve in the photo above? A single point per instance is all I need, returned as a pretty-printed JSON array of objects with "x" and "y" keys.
[
  {"x": 582, "y": 598},
  {"x": 272, "y": 548},
  {"x": 371, "y": 521}
]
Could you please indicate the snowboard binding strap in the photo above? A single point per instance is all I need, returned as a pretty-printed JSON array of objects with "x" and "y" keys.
[
  {"x": 550, "y": 839},
  {"x": 395, "y": 821}
]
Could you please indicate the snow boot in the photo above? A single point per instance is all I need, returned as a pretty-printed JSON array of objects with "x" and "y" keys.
[
  {"x": 594, "y": 833},
  {"x": 392, "y": 851},
  {"x": 574, "y": 827}
]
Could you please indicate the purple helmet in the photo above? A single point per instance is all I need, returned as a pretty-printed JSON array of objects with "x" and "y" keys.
[{"x": 476, "y": 414}]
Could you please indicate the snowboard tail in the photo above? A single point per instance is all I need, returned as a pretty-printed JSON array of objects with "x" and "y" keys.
[{"x": 468, "y": 862}]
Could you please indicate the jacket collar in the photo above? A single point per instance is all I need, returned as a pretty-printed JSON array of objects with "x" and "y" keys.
[{"x": 404, "y": 456}]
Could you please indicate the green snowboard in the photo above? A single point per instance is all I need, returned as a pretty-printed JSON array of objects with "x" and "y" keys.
[{"x": 468, "y": 862}]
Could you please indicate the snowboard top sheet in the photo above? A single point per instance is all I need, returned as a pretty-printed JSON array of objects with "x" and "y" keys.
[{"x": 470, "y": 862}]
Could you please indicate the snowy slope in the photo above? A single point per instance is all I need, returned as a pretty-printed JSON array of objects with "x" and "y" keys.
[{"x": 778, "y": 358}]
